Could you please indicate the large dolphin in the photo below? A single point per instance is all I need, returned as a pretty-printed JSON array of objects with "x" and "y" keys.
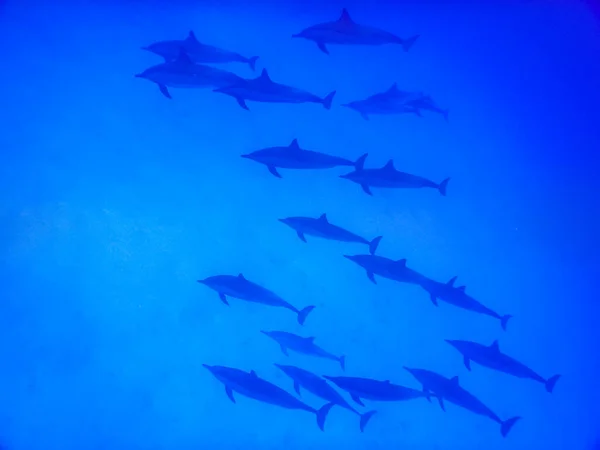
[
  {"x": 303, "y": 345},
  {"x": 426, "y": 103},
  {"x": 294, "y": 157},
  {"x": 250, "y": 385},
  {"x": 457, "y": 296},
  {"x": 322, "y": 228},
  {"x": 319, "y": 387},
  {"x": 375, "y": 390},
  {"x": 183, "y": 73},
  {"x": 490, "y": 356},
  {"x": 391, "y": 101},
  {"x": 345, "y": 31},
  {"x": 386, "y": 268},
  {"x": 449, "y": 389},
  {"x": 388, "y": 177},
  {"x": 241, "y": 288},
  {"x": 263, "y": 89},
  {"x": 198, "y": 52}
]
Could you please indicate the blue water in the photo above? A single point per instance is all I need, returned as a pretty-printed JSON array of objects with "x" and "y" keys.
[{"x": 115, "y": 200}]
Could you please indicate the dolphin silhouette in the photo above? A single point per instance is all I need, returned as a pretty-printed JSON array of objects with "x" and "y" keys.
[{"x": 391, "y": 101}]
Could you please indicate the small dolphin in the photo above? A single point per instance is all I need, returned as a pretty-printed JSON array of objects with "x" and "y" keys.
[
  {"x": 457, "y": 296},
  {"x": 392, "y": 101},
  {"x": 322, "y": 228},
  {"x": 241, "y": 288},
  {"x": 426, "y": 102},
  {"x": 449, "y": 389},
  {"x": 263, "y": 89},
  {"x": 250, "y": 385},
  {"x": 490, "y": 356},
  {"x": 345, "y": 31},
  {"x": 380, "y": 391},
  {"x": 183, "y": 73},
  {"x": 388, "y": 177},
  {"x": 319, "y": 387},
  {"x": 294, "y": 157},
  {"x": 304, "y": 345},
  {"x": 198, "y": 52},
  {"x": 386, "y": 268}
]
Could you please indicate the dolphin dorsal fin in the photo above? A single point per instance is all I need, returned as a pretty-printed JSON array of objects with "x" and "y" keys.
[
  {"x": 241, "y": 276},
  {"x": 454, "y": 380},
  {"x": 183, "y": 57},
  {"x": 323, "y": 217},
  {"x": 401, "y": 262},
  {"x": 389, "y": 165},
  {"x": 345, "y": 17},
  {"x": 294, "y": 145},
  {"x": 461, "y": 288},
  {"x": 191, "y": 37},
  {"x": 264, "y": 75},
  {"x": 451, "y": 281},
  {"x": 495, "y": 346},
  {"x": 394, "y": 88},
  {"x": 253, "y": 373}
]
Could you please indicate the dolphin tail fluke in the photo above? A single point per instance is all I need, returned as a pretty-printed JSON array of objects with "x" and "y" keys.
[
  {"x": 374, "y": 244},
  {"x": 408, "y": 43},
  {"x": 551, "y": 382},
  {"x": 504, "y": 320},
  {"x": 507, "y": 425},
  {"x": 442, "y": 187},
  {"x": 327, "y": 100},
  {"x": 322, "y": 415},
  {"x": 342, "y": 361},
  {"x": 359, "y": 164},
  {"x": 252, "y": 62},
  {"x": 364, "y": 419},
  {"x": 304, "y": 313}
]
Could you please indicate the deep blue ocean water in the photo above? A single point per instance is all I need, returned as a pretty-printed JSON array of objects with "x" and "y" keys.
[{"x": 115, "y": 200}]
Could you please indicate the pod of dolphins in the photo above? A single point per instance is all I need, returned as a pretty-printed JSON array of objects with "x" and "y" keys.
[{"x": 186, "y": 66}]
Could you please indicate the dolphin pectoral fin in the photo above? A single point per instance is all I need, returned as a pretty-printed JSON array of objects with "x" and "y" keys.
[
  {"x": 364, "y": 419},
  {"x": 507, "y": 425},
  {"x": 229, "y": 393},
  {"x": 371, "y": 277},
  {"x": 297, "y": 388},
  {"x": 551, "y": 382},
  {"x": 164, "y": 91},
  {"x": 322, "y": 47},
  {"x": 301, "y": 236},
  {"x": 242, "y": 103},
  {"x": 284, "y": 350},
  {"x": 366, "y": 189},
  {"x": 223, "y": 298},
  {"x": 433, "y": 299},
  {"x": 357, "y": 399},
  {"x": 467, "y": 362},
  {"x": 273, "y": 171},
  {"x": 441, "y": 402},
  {"x": 322, "y": 415}
]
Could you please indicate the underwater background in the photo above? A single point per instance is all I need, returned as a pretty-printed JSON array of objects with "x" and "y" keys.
[{"x": 115, "y": 200}]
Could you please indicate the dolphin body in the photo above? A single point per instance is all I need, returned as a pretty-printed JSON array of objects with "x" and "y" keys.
[
  {"x": 449, "y": 389},
  {"x": 304, "y": 345},
  {"x": 457, "y": 296},
  {"x": 426, "y": 103},
  {"x": 345, "y": 31},
  {"x": 490, "y": 356},
  {"x": 392, "y": 101},
  {"x": 198, "y": 52},
  {"x": 375, "y": 390},
  {"x": 388, "y": 177},
  {"x": 294, "y": 157},
  {"x": 319, "y": 387},
  {"x": 322, "y": 228},
  {"x": 250, "y": 385},
  {"x": 241, "y": 288},
  {"x": 183, "y": 73},
  {"x": 263, "y": 89}
]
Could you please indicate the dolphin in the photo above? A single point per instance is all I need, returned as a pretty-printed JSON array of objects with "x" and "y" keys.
[
  {"x": 388, "y": 177},
  {"x": 294, "y": 157},
  {"x": 304, "y": 345},
  {"x": 449, "y": 389},
  {"x": 250, "y": 385},
  {"x": 490, "y": 356},
  {"x": 183, "y": 73},
  {"x": 321, "y": 227},
  {"x": 386, "y": 268},
  {"x": 263, "y": 89},
  {"x": 345, "y": 31},
  {"x": 457, "y": 296},
  {"x": 375, "y": 390},
  {"x": 198, "y": 52},
  {"x": 426, "y": 103},
  {"x": 241, "y": 288},
  {"x": 391, "y": 101},
  {"x": 319, "y": 387}
]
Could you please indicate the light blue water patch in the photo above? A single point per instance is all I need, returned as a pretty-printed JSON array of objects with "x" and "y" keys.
[{"x": 116, "y": 200}]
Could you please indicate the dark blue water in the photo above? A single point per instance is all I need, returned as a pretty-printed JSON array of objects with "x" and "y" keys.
[{"x": 115, "y": 200}]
